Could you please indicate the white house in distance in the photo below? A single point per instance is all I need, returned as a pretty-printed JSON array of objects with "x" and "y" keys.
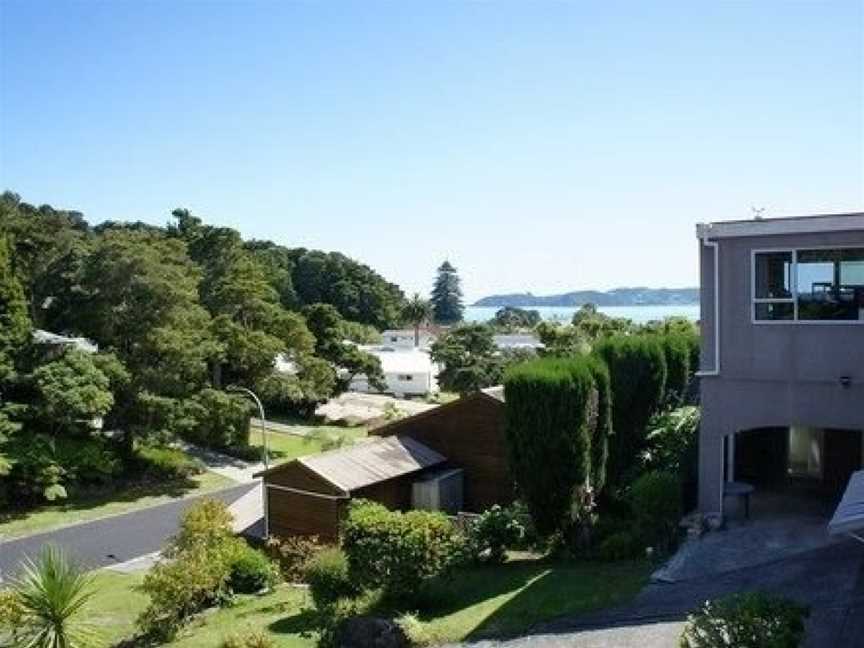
[
  {"x": 518, "y": 341},
  {"x": 63, "y": 342},
  {"x": 404, "y": 338},
  {"x": 407, "y": 371}
]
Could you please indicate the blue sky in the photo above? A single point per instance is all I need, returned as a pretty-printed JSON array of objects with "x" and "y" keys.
[{"x": 540, "y": 146}]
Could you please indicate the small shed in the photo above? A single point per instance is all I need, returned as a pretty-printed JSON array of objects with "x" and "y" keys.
[
  {"x": 307, "y": 496},
  {"x": 470, "y": 433}
]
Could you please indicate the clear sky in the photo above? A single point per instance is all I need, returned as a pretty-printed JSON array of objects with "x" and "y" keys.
[{"x": 540, "y": 146}]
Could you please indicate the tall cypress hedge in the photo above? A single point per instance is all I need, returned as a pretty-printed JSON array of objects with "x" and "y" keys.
[
  {"x": 549, "y": 440},
  {"x": 602, "y": 428},
  {"x": 676, "y": 352},
  {"x": 637, "y": 369}
]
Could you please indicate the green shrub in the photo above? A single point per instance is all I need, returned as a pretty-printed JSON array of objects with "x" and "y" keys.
[
  {"x": 637, "y": 370},
  {"x": 548, "y": 413},
  {"x": 215, "y": 419},
  {"x": 673, "y": 446},
  {"x": 490, "y": 534},
  {"x": 656, "y": 501},
  {"x": 672, "y": 438},
  {"x": 208, "y": 523},
  {"x": 35, "y": 475},
  {"x": 601, "y": 429},
  {"x": 89, "y": 460},
  {"x": 676, "y": 352},
  {"x": 398, "y": 552},
  {"x": 252, "y": 571},
  {"x": 162, "y": 462},
  {"x": 250, "y": 640},
  {"x": 328, "y": 578},
  {"x": 619, "y": 546},
  {"x": 292, "y": 554},
  {"x": 180, "y": 587},
  {"x": 749, "y": 620},
  {"x": 195, "y": 572}
]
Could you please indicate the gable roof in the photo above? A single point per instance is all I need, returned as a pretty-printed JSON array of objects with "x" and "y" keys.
[
  {"x": 367, "y": 463},
  {"x": 491, "y": 394}
]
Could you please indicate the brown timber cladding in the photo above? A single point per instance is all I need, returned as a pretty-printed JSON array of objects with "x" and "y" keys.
[
  {"x": 291, "y": 513},
  {"x": 469, "y": 432}
]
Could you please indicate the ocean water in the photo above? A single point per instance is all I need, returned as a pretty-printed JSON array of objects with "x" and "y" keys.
[{"x": 639, "y": 314}]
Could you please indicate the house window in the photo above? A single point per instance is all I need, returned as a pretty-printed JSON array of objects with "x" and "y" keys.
[
  {"x": 809, "y": 285},
  {"x": 830, "y": 284},
  {"x": 406, "y": 377},
  {"x": 772, "y": 287}
]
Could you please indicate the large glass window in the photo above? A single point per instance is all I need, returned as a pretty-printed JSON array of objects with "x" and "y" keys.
[
  {"x": 809, "y": 285},
  {"x": 772, "y": 286},
  {"x": 830, "y": 284}
]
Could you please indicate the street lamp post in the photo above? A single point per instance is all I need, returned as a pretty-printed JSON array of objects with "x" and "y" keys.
[{"x": 251, "y": 394}]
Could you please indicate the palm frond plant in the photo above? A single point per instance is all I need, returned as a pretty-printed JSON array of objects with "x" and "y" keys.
[{"x": 52, "y": 592}]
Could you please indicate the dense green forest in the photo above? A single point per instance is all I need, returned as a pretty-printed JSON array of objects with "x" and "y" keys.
[{"x": 178, "y": 312}]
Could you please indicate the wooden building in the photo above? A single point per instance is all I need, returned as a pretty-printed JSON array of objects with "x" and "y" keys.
[
  {"x": 470, "y": 433},
  {"x": 308, "y": 496}
]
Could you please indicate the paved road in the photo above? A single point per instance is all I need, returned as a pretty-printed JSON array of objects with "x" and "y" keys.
[
  {"x": 115, "y": 539},
  {"x": 830, "y": 580}
]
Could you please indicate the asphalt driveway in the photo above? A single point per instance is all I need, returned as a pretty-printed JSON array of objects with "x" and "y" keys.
[{"x": 115, "y": 539}]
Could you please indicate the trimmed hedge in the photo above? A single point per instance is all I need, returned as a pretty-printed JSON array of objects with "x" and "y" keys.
[
  {"x": 676, "y": 352},
  {"x": 602, "y": 428},
  {"x": 398, "y": 552},
  {"x": 637, "y": 368},
  {"x": 548, "y": 435}
]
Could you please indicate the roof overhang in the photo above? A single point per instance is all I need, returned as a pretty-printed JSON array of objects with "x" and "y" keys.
[
  {"x": 849, "y": 517},
  {"x": 779, "y": 226}
]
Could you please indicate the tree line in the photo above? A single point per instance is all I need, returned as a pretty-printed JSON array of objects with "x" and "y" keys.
[{"x": 178, "y": 312}]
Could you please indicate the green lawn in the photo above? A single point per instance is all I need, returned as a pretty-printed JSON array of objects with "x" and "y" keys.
[
  {"x": 508, "y": 600},
  {"x": 284, "y": 446},
  {"x": 122, "y": 500},
  {"x": 475, "y": 603}
]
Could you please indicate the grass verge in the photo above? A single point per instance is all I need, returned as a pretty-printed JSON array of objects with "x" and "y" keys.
[
  {"x": 308, "y": 439},
  {"x": 122, "y": 500}
]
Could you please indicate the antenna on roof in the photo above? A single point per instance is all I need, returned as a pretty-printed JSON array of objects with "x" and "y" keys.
[{"x": 758, "y": 212}]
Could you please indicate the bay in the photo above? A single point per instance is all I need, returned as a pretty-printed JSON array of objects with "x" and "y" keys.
[{"x": 639, "y": 314}]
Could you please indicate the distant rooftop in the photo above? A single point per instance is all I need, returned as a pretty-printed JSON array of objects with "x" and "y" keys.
[
  {"x": 53, "y": 339},
  {"x": 812, "y": 224}
]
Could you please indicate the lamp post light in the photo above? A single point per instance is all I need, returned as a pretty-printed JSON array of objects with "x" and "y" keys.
[{"x": 251, "y": 394}]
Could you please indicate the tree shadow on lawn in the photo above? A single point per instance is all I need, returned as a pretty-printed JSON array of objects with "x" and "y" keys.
[
  {"x": 531, "y": 592},
  {"x": 301, "y": 623}
]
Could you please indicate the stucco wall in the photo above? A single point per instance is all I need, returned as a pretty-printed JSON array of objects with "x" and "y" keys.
[{"x": 771, "y": 374}]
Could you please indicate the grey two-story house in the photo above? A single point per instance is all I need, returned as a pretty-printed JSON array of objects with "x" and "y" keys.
[{"x": 782, "y": 370}]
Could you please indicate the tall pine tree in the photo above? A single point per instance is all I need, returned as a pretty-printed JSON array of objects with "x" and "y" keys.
[{"x": 447, "y": 296}]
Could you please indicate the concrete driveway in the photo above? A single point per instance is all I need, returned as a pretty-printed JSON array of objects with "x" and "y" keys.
[{"x": 796, "y": 560}]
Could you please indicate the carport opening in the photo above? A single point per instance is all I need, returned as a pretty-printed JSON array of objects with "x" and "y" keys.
[{"x": 797, "y": 468}]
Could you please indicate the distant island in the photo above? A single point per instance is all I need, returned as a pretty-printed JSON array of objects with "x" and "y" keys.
[{"x": 615, "y": 297}]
